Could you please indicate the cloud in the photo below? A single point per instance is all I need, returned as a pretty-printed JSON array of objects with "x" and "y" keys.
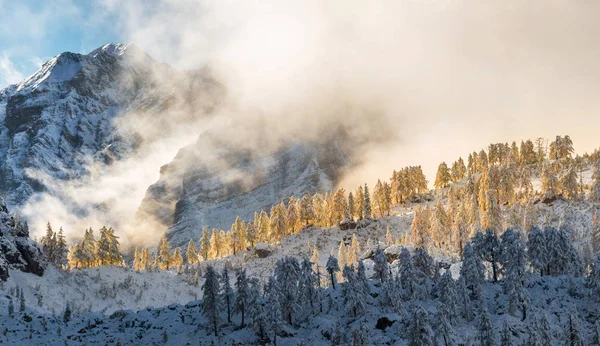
[
  {"x": 448, "y": 76},
  {"x": 422, "y": 81},
  {"x": 9, "y": 73}
]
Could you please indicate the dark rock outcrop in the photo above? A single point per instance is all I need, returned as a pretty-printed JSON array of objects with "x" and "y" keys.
[{"x": 17, "y": 250}]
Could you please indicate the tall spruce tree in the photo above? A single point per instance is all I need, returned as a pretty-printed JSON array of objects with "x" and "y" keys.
[{"x": 211, "y": 302}]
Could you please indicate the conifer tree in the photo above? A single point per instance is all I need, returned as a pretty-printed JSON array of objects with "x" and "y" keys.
[
  {"x": 443, "y": 327},
  {"x": 214, "y": 248},
  {"x": 359, "y": 204},
  {"x": 293, "y": 216},
  {"x": 442, "y": 177},
  {"x": 506, "y": 338},
  {"x": 286, "y": 274},
  {"x": 177, "y": 259},
  {"x": 367, "y": 203},
  {"x": 424, "y": 263},
  {"x": 251, "y": 232},
  {"x": 472, "y": 271},
  {"x": 487, "y": 247},
  {"x": 568, "y": 183},
  {"x": 332, "y": 268},
  {"x": 448, "y": 296},
  {"x": 420, "y": 332},
  {"x": 164, "y": 249},
  {"x": 273, "y": 316},
  {"x": 440, "y": 225},
  {"x": 211, "y": 302},
  {"x": 190, "y": 254},
  {"x": 88, "y": 249},
  {"x": 407, "y": 275},
  {"x": 204, "y": 244},
  {"x": 306, "y": 210},
  {"x": 342, "y": 254},
  {"x": 352, "y": 293},
  {"x": 61, "y": 249},
  {"x": 380, "y": 266},
  {"x": 361, "y": 276},
  {"x": 146, "y": 262},
  {"x": 307, "y": 285},
  {"x": 485, "y": 333},
  {"x": 350, "y": 209},
  {"x": 137, "y": 260},
  {"x": 549, "y": 183},
  {"x": 243, "y": 294},
  {"x": 537, "y": 250},
  {"x": 227, "y": 296},
  {"x": 67, "y": 313},
  {"x": 573, "y": 334},
  {"x": 49, "y": 244}
]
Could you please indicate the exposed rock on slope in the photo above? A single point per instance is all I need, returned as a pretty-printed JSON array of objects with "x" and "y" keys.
[{"x": 18, "y": 251}]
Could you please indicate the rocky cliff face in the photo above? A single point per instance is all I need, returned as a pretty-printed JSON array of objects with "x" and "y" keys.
[
  {"x": 17, "y": 250},
  {"x": 197, "y": 189}
]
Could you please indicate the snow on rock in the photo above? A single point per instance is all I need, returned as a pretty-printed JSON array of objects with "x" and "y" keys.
[{"x": 17, "y": 250}]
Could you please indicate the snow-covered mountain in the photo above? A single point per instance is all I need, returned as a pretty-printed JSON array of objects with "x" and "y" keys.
[
  {"x": 77, "y": 111},
  {"x": 67, "y": 114}
]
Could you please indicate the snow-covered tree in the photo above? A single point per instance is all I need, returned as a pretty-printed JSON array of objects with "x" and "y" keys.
[
  {"x": 573, "y": 333},
  {"x": 242, "y": 294},
  {"x": 307, "y": 285},
  {"x": 177, "y": 259},
  {"x": 419, "y": 331},
  {"x": 424, "y": 263},
  {"x": 352, "y": 293},
  {"x": 442, "y": 177},
  {"x": 472, "y": 271},
  {"x": 287, "y": 271},
  {"x": 211, "y": 302},
  {"x": 273, "y": 316},
  {"x": 513, "y": 259},
  {"x": 569, "y": 184},
  {"x": 204, "y": 244},
  {"x": 66, "y": 314},
  {"x": 367, "y": 203},
  {"x": 227, "y": 294},
  {"x": 361, "y": 276},
  {"x": 381, "y": 267},
  {"x": 485, "y": 331},
  {"x": 332, "y": 268},
  {"x": 448, "y": 296},
  {"x": 443, "y": 327},
  {"x": 407, "y": 275},
  {"x": 164, "y": 250},
  {"x": 506, "y": 336},
  {"x": 190, "y": 254},
  {"x": 550, "y": 186},
  {"x": 487, "y": 246}
]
